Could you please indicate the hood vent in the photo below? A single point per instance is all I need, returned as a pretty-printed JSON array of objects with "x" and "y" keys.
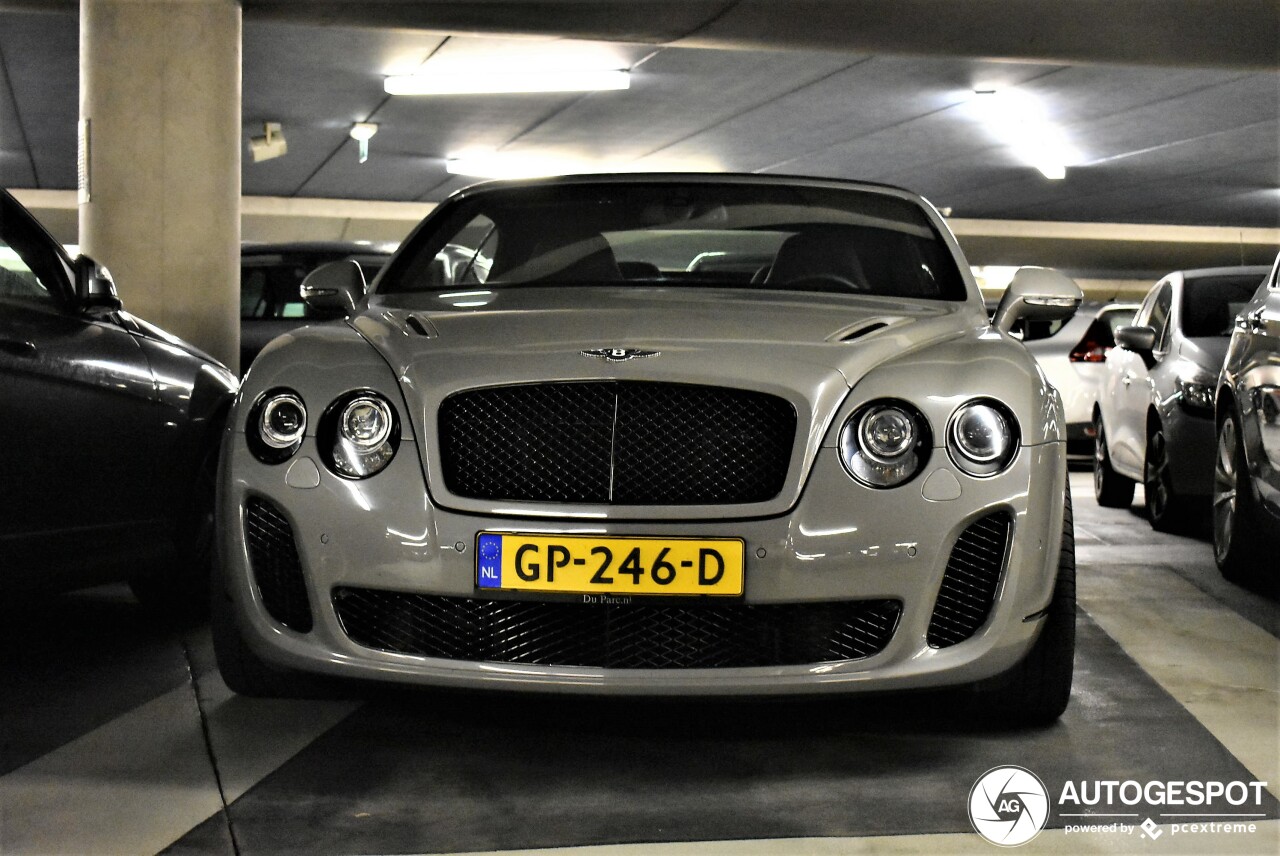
[
  {"x": 415, "y": 324},
  {"x": 859, "y": 330}
]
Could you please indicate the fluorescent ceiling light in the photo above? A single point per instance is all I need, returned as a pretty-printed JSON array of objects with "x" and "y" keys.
[
  {"x": 1019, "y": 121},
  {"x": 455, "y": 81}
]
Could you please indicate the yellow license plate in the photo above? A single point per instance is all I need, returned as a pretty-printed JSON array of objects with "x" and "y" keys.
[{"x": 581, "y": 564}]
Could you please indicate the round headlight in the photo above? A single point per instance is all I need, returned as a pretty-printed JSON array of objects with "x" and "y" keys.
[
  {"x": 885, "y": 443},
  {"x": 283, "y": 421},
  {"x": 981, "y": 438},
  {"x": 359, "y": 434},
  {"x": 365, "y": 422},
  {"x": 276, "y": 425}
]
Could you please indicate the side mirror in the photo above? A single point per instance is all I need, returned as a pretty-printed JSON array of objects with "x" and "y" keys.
[
  {"x": 95, "y": 289},
  {"x": 1140, "y": 340},
  {"x": 334, "y": 288},
  {"x": 1037, "y": 293}
]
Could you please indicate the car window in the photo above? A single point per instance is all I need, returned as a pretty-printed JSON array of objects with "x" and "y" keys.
[
  {"x": 1210, "y": 304},
  {"x": 1159, "y": 318},
  {"x": 19, "y": 282},
  {"x": 694, "y": 234}
]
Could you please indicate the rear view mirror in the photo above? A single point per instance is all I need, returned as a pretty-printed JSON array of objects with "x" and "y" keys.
[
  {"x": 95, "y": 289},
  {"x": 335, "y": 288},
  {"x": 1140, "y": 340},
  {"x": 1037, "y": 293}
]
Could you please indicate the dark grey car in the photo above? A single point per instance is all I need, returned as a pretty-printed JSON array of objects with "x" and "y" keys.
[
  {"x": 110, "y": 431},
  {"x": 1246, "y": 475},
  {"x": 270, "y": 275}
]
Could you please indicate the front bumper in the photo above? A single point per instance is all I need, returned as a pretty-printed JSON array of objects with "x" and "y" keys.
[{"x": 842, "y": 542}]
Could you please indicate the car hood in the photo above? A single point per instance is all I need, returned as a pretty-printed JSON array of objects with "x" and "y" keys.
[
  {"x": 809, "y": 350},
  {"x": 763, "y": 340}
]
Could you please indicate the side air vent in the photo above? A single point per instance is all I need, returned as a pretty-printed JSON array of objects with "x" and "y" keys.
[
  {"x": 276, "y": 567},
  {"x": 416, "y": 325},
  {"x": 969, "y": 583}
]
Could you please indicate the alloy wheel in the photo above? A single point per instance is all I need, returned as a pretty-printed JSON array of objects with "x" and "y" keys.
[
  {"x": 1224, "y": 490},
  {"x": 1156, "y": 483}
]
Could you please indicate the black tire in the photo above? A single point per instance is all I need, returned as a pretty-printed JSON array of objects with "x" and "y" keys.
[
  {"x": 1237, "y": 546},
  {"x": 1165, "y": 506},
  {"x": 1038, "y": 689},
  {"x": 1111, "y": 489},
  {"x": 247, "y": 674},
  {"x": 179, "y": 590}
]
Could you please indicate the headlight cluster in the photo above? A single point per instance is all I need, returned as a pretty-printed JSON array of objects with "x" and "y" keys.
[
  {"x": 1196, "y": 394},
  {"x": 358, "y": 433},
  {"x": 886, "y": 443},
  {"x": 982, "y": 438}
]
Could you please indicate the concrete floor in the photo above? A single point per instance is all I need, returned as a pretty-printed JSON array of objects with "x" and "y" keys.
[{"x": 117, "y": 736}]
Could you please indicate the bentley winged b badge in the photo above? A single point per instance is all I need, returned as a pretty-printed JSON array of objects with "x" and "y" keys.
[{"x": 618, "y": 355}]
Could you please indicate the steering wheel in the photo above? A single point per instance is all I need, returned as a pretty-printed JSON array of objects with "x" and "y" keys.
[{"x": 826, "y": 282}]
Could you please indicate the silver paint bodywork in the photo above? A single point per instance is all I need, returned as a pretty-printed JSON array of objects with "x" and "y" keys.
[
  {"x": 824, "y": 537},
  {"x": 1250, "y": 386}
]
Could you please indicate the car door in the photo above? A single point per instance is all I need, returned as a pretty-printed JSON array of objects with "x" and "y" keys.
[
  {"x": 1132, "y": 391},
  {"x": 81, "y": 424}
]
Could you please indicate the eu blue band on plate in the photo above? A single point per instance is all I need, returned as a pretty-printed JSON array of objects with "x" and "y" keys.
[{"x": 489, "y": 563}]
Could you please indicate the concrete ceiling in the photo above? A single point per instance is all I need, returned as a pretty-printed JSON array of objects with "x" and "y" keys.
[{"x": 1173, "y": 106}]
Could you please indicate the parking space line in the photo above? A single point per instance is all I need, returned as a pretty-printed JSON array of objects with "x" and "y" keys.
[{"x": 143, "y": 780}]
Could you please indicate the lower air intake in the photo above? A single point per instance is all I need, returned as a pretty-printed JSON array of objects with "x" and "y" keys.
[
  {"x": 277, "y": 570},
  {"x": 615, "y": 636},
  {"x": 969, "y": 583}
]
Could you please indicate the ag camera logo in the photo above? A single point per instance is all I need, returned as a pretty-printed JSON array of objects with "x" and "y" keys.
[{"x": 1008, "y": 806}]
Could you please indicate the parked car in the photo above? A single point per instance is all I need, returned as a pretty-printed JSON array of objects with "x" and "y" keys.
[
  {"x": 842, "y": 478},
  {"x": 270, "y": 275},
  {"x": 1155, "y": 417},
  {"x": 1246, "y": 475},
  {"x": 1073, "y": 354},
  {"x": 113, "y": 431}
]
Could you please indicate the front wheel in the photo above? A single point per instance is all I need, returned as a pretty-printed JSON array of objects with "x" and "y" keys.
[
  {"x": 1164, "y": 504},
  {"x": 1236, "y": 546},
  {"x": 1037, "y": 690},
  {"x": 1111, "y": 489},
  {"x": 180, "y": 592}
]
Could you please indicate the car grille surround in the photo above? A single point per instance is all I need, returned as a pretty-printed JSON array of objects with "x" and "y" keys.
[
  {"x": 615, "y": 635},
  {"x": 277, "y": 568},
  {"x": 617, "y": 443},
  {"x": 969, "y": 583}
]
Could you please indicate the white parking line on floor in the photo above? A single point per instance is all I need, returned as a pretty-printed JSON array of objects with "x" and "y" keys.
[{"x": 143, "y": 780}]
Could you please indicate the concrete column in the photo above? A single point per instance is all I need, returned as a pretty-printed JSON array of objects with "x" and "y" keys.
[{"x": 160, "y": 88}]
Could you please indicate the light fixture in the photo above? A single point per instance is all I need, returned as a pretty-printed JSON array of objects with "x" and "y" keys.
[
  {"x": 472, "y": 81},
  {"x": 1019, "y": 121},
  {"x": 362, "y": 132},
  {"x": 270, "y": 145}
]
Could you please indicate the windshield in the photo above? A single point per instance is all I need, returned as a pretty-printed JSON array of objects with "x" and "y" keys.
[
  {"x": 672, "y": 233},
  {"x": 1210, "y": 303}
]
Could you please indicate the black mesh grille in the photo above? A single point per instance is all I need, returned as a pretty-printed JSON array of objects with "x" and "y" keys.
[
  {"x": 276, "y": 567},
  {"x": 624, "y": 443},
  {"x": 969, "y": 583},
  {"x": 616, "y": 636}
]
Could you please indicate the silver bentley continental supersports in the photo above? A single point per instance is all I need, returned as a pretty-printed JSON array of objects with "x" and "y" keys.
[{"x": 656, "y": 435}]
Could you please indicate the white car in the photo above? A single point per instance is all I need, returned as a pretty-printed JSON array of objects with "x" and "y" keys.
[{"x": 1073, "y": 356}]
